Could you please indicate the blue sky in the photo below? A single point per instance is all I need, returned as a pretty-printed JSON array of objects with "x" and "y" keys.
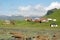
[{"x": 11, "y": 6}]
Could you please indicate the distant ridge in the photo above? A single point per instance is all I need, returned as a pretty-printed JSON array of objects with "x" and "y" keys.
[
  {"x": 55, "y": 15},
  {"x": 13, "y": 17}
]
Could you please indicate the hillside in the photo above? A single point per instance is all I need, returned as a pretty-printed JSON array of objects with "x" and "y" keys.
[
  {"x": 51, "y": 11},
  {"x": 14, "y": 17},
  {"x": 56, "y": 15},
  {"x": 31, "y": 28},
  {"x": 32, "y": 25}
]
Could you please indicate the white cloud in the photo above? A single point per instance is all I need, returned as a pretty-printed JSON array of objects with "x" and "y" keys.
[
  {"x": 38, "y": 7},
  {"x": 53, "y": 5},
  {"x": 36, "y": 10},
  {"x": 22, "y": 8}
]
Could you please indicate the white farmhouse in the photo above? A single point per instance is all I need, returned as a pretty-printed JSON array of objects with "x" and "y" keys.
[
  {"x": 50, "y": 19},
  {"x": 54, "y": 19}
]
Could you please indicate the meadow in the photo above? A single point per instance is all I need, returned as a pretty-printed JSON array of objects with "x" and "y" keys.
[
  {"x": 27, "y": 28},
  {"x": 31, "y": 28},
  {"x": 25, "y": 24}
]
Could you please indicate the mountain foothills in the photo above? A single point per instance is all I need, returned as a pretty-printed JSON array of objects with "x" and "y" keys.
[
  {"x": 13, "y": 17},
  {"x": 54, "y": 13},
  {"x": 51, "y": 11},
  {"x": 19, "y": 23},
  {"x": 4, "y": 17}
]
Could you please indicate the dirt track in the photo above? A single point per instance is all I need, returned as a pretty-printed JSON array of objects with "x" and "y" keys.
[{"x": 30, "y": 32}]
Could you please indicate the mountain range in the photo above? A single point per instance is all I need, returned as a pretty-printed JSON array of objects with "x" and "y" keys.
[
  {"x": 20, "y": 17},
  {"x": 13, "y": 17}
]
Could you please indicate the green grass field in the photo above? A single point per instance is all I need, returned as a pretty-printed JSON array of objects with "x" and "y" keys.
[
  {"x": 25, "y": 24},
  {"x": 30, "y": 26}
]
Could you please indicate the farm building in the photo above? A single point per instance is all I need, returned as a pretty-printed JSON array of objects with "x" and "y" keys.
[
  {"x": 43, "y": 19},
  {"x": 36, "y": 20},
  {"x": 54, "y": 19},
  {"x": 50, "y": 19},
  {"x": 28, "y": 19}
]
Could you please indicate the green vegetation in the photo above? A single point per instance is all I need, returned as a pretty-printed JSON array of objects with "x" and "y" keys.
[
  {"x": 30, "y": 27},
  {"x": 24, "y": 24},
  {"x": 56, "y": 15},
  {"x": 27, "y": 25}
]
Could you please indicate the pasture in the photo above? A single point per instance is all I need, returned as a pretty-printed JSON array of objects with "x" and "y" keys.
[
  {"x": 27, "y": 28},
  {"x": 29, "y": 25}
]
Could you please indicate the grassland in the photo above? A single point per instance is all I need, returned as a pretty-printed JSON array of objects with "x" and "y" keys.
[
  {"x": 25, "y": 24},
  {"x": 30, "y": 27}
]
